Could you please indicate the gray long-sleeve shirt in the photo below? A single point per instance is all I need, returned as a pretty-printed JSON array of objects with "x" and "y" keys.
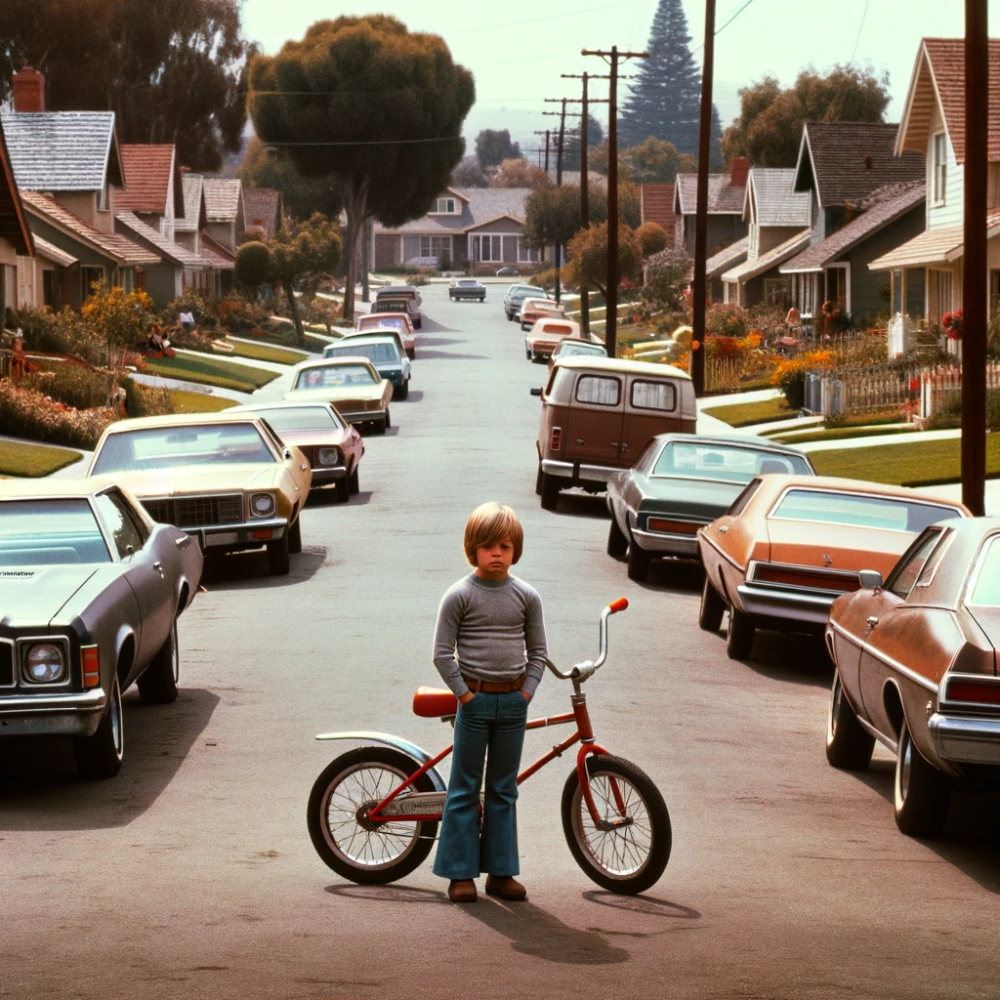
[{"x": 492, "y": 631}]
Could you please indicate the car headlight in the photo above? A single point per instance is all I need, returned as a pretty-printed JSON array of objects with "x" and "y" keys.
[
  {"x": 328, "y": 456},
  {"x": 45, "y": 663},
  {"x": 261, "y": 504}
]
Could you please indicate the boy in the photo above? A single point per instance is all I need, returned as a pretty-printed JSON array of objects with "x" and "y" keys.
[{"x": 489, "y": 646}]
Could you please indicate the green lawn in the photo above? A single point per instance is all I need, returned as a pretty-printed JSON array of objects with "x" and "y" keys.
[
  {"x": 265, "y": 352},
  {"x": 838, "y": 434},
  {"x": 917, "y": 463},
  {"x": 33, "y": 460},
  {"x": 747, "y": 414},
  {"x": 199, "y": 402},
  {"x": 211, "y": 371}
]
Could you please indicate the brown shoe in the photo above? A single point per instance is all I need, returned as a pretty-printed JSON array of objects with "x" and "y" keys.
[
  {"x": 505, "y": 886},
  {"x": 462, "y": 891}
]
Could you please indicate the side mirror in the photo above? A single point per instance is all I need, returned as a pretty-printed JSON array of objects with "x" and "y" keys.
[
  {"x": 535, "y": 392},
  {"x": 287, "y": 452},
  {"x": 870, "y": 579}
]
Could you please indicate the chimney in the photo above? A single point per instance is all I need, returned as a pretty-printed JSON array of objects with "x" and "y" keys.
[
  {"x": 739, "y": 170},
  {"x": 29, "y": 90}
]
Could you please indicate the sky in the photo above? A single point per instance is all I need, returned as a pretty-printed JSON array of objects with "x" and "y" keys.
[{"x": 518, "y": 49}]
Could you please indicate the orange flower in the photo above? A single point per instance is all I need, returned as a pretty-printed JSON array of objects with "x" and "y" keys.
[{"x": 695, "y": 345}]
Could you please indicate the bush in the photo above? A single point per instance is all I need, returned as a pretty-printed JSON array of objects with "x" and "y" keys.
[
  {"x": 790, "y": 375},
  {"x": 253, "y": 263},
  {"x": 66, "y": 332},
  {"x": 28, "y": 414},
  {"x": 146, "y": 400},
  {"x": 652, "y": 238},
  {"x": 666, "y": 276},
  {"x": 72, "y": 384}
]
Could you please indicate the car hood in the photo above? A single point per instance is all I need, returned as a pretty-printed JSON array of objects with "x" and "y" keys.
[
  {"x": 34, "y": 595},
  {"x": 696, "y": 497},
  {"x": 835, "y": 546},
  {"x": 189, "y": 479}
]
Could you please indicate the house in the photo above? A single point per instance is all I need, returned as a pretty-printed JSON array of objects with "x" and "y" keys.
[
  {"x": 17, "y": 249},
  {"x": 264, "y": 208},
  {"x": 726, "y": 198},
  {"x": 153, "y": 190},
  {"x": 466, "y": 227},
  {"x": 718, "y": 264},
  {"x": 778, "y": 221},
  {"x": 656, "y": 204},
  {"x": 225, "y": 213},
  {"x": 933, "y": 125},
  {"x": 190, "y": 230}
]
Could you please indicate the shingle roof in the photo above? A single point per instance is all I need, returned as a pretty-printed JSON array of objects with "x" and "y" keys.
[
  {"x": 179, "y": 254},
  {"x": 775, "y": 202},
  {"x": 148, "y": 169},
  {"x": 727, "y": 258},
  {"x": 263, "y": 204},
  {"x": 656, "y": 202},
  {"x": 480, "y": 205},
  {"x": 118, "y": 248},
  {"x": 724, "y": 197},
  {"x": 13, "y": 225},
  {"x": 222, "y": 199},
  {"x": 45, "y": 249},
  {"x": 220, "y": 257},
  {"x": 63, "y": 150},
  {"x": 194, "y": 207},
  {"x": 773, "y": 257},
  {"x": 934, "y": 246},
  {"x": 848, "y": 160}
]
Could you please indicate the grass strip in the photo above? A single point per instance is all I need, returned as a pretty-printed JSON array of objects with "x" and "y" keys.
[
  {"x": 839, "y": 434},
  {"x": 34, "y": 460},
  {"x": 746, "y": 414},
  {"x": 211, "y": 371},
  {"x": 265, "y": 352},
  {"x": 199, "y": 402}
]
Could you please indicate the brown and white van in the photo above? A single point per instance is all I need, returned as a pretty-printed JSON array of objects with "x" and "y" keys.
[{"x": 597, "y": 416}]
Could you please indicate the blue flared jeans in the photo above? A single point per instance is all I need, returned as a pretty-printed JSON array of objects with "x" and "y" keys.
[{"x": 489, "y": 729}]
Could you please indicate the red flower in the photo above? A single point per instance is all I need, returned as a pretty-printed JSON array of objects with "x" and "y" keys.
[{"x": 914, "y": 384}]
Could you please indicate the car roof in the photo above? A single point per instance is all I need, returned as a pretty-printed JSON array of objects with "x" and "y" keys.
[
  {"x": 332, "y": 362},
  {"x": 620, "y": 366},
  {"x": 777, "y": 483},
  {"x": 179, "y": 420},
  {"x": 736, "y": 441},
  {"x": 395, "y": 290},
  {"x": 391, "y": 336},
  {"x": 291, "y": 405}
]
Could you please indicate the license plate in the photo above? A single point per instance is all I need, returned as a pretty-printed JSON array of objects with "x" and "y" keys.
[{"x": 222, "y": 538}]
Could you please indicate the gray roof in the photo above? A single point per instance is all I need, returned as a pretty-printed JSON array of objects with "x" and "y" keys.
[
  {"x": 775, "y": 202},
  {"x": 724, "y": 197},
  {"x": 179, "y": 254},
  {"x": 193, "y": 186},
  {"x": 479, "y": 205},
  {"x": 63, "y": 150},
  {"x": 223, "y": 196}
]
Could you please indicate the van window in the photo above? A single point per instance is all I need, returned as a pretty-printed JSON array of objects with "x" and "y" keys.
[
  {"x": 598, "y": 389},
  {"x": 654, "y": 395}
]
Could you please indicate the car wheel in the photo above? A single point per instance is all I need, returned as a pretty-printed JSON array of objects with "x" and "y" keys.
[
  {"x": 412, "y": 353},
  {"x": 482, "y": 298},
  {"x": 922, "y": 792},
  {"x": 388, "y": 417},
  {"x": 639, "y": 561},
  {"x": 352, "y": 482},
  {"x": 617, "y": 540},
  {"x": 295, "y": 537},
  {"x": 510, "y": 317},
  {"x": 378, "y": 426},
  {"x": 527, "y": 354},
  {"x": 100, "y": 756},
  {"x": 418, "y": 324},
  {"x": 278, "y": 563},
  {"x": 402, "y": 391},
  {"x": 158, "y": 682},
  {"x": 848, "y": 746},
  {"x": 341, "y": 491},
  {"x": 712, "y": 608},
  {"x": 538, "y": 481},
  {"x": 739, "y": 642},
  {"x": 550, "y": 491}
]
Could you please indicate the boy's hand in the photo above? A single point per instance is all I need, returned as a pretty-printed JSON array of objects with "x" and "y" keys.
[
  {"x": 525, "y": 695},
  {"x": 466, "y": 698}
]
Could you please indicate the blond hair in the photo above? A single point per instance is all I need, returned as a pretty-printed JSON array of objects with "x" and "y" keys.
[{"x": 491, "y": 523}]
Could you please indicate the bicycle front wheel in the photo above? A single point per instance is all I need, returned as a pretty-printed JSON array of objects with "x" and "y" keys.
[
  {"x": 348, "y": 842},
  {"x": 631, "y": 852}
]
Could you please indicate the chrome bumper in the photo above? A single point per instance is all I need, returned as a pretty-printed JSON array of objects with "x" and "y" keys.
[
  {"x": 72, "y": 714},
  {"x": 363, "y": 416},
  {"x": 770, "y": 602},
  {"x": 965, "y": 739},
  {"x": 236, "y": 535},
  {"x": 327, "y": 474},
  {"x": 576, "y": 472},
  {"x": 659, "y": 541}
]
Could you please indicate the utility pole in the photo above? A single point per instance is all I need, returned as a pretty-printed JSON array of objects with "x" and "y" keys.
[
  {"x": 559, "y": 162},
  {"x": 974, "y": 287},
  {"x": 611, "y": 306},
  {"x": 701, "y": 212}
]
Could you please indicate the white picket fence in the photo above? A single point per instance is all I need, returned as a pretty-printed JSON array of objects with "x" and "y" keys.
[{"x": 941, "y": 387}]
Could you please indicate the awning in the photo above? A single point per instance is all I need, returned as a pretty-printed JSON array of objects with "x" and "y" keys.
[
  {"x": 53, "y": 253},
  {"x": 934, "y": 246}
]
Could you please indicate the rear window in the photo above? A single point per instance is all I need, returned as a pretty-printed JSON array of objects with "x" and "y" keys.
[
  {"x": 599, "y": 389},
  {"x": 886, "y": 513},
  {"x": 723, "y": 462},
  {"x": 334, "y": 377},
  {"x": 301, "y": 418},
  {"x": 563, "y": 328},
  {"x": 654, "y": 396},
  {"x": 376, "y": 353}
]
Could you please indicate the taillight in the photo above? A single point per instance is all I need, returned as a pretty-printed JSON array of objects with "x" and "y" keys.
[
  {"x": 973, "y": 692},
  {"x": 673, "y": 527},
  {"x": 815, "y": 580},
  {"x": 555, "y": 441},
  {"x": 90, "y": 663}
]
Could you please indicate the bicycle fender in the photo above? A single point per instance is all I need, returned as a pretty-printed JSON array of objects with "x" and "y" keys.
[{"x": 411, "y": 750}]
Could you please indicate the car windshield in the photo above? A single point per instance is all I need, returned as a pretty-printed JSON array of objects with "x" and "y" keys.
[
  {"x": 889, "y": 513},
  {"x": 50, "y": 532},
  {"x": 469, "y": 282},
  {"x": 562, "y": 329},
  {"x": 335, "y": 376},
  {"x": 376, "y": 353},
  {"x": 301, "y": 418},
  {"x": 396, "y": 322},
  {"x": 172, "y": 447},
  {"x": 568, "y": 347},
  {"x": 729, "y": 463}
]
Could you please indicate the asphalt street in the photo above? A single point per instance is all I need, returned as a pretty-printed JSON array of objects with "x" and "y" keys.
[{"x": 192, "y": 873}]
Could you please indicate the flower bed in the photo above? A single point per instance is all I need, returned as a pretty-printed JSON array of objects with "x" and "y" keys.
[{"x": 30, "y": 414}]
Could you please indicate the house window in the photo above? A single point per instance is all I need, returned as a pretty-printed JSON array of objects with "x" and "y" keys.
[
  {"x": 435, "y": 246},
  {"x": 940, "y": 294},
  {"x": 525, "y": 254},
  {"x": 444, "y": 206},
  {"x": 940, "y": 167},
  {"x": 139, "y": 278},
  {"x": 90, "y": 276},
  {"x": 490, "y": 248},
  {"x": 807, "y": 295},
  {"x": 776, "y": 292}
]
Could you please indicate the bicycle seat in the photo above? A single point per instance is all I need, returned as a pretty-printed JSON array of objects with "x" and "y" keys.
[{"x": 432, "y": 703}]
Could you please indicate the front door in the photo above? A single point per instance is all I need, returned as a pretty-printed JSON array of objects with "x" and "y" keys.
[{"x": 594, "y": 427}]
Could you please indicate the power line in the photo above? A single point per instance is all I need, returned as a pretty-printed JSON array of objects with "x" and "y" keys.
[
  {"x": 864, "y": 14},
  {"x": 550, "y": 17},
  {"x": 726, "y": 25}
]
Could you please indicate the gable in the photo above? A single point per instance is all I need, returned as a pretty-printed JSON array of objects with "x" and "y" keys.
[
  {"x": 148, "y": 172},
  {"x": 13, "y": 224}
]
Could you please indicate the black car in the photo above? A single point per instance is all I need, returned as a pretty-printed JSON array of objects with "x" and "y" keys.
[
  {"x": 466, "y": 288},
  {"x": 90, "y": 592}
]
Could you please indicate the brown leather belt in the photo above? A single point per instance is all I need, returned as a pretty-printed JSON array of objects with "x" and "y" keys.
[{"x": 494, "y": 687}]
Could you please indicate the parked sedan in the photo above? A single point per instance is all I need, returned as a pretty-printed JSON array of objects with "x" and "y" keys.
[
  {"x": 916, "y": 670},
  {"x": 790, "y": 545},
  {"x": 534, "y": 309},
  {"x": 516, "y": 294},
  {"x": 91, "y": 590},
  {"x": 466, "y": 288},
  {"x": 681, "y": 483},
  {"x": 393, "y": 321},
  {"x": 546, "y": 335},
  {"x": 407, "y": 294},
  {"x": 351, "y": 384},
  {"x": 224, "y": 478},
  {"x": 384, "y": 351},
  {"x": 332, "y": 446}
]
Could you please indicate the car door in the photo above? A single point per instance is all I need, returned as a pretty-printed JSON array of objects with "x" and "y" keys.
[
  {"x": 651, "y": 408},
  {"x": 596, "y": 415}
]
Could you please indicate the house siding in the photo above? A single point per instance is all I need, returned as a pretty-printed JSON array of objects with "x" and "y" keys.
[
  {"x": 949, "y": 213},
  {"x": 772, "y": 236},
  {"x": 387, "y": 251},
  {"x": 222, "y": 232},
  {"x": 721, "y": 231}
]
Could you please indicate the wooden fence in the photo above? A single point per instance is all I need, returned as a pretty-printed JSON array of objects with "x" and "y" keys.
[
  {"x": 941, "y": 388},
  {"x": 854, "y": 392}
]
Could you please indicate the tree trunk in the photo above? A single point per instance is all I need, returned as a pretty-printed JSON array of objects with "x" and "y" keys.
[
  {"x": 293, "y": 308},
  {"x": 584, "y": 307}
]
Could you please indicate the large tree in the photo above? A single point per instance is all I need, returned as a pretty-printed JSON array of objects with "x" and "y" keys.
[
  {"x": 171, "y": 70},
  {"x": 266, "y": 166},
  {"x": 769, "y": 127},
  {"x": 372, "y": 103},
  {"x": 519, "y": 173},
  {"x": 656, "y": 161},
  {"x": 665, "y": 100},
  {"x": 469, "y": 174},
  {"x": 493, "y": 147}
]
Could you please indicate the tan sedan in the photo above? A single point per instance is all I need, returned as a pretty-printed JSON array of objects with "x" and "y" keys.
[{"x": 352, "y": 385}]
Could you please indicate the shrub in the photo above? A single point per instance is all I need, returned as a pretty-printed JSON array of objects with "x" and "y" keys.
[
  {"x": 666, "y": 276},
  {"x": 652, "y": 238},
  {"x": 60, "y": 333},
  {"x": 120, "y": 318},
  {"x": 146, "y": 400},
  {"x": 253, "y": 263},
  {"x": 726, "y": 321},
  {"x": 28, "y": 414},
  {"x": 72, "y": 384},
  {"x": 790, "y": 375}
]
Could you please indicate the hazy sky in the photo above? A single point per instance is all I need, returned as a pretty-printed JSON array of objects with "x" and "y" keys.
[{"x": 517, "y": 49}]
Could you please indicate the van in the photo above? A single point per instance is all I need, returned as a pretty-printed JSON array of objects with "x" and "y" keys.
[{"x": 597, "y": 416}]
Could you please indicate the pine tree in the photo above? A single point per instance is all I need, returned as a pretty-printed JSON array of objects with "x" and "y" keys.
[{"x": 665, "y": 100}]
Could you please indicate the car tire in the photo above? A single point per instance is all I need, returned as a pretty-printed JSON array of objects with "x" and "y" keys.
[
  {"x": 921, "y": 791},
  {"x": 482, "y": 298},
  {"x": 158, "y": 682},
  {"x": 379, "y": 426},
  {"x": 401, "y": 391},
  {"x": 538, "y": 481},
  {"x": 510, "y": 317},
  {"x": 848, "y": 746},
  {"x": 278, "y": 563},
  {"x": 550, "y": 491},
  {"x": 617, "y": 540},
  {"x": 341, "y": 491},
  {"x": 739, "y": 641},
  {"x": 712, "y": 608},
  {"x": 418, "y": 324},
  {"x": 639, "y": 561},
  {"x": 353, "y": 486},
  {"x": 100, "y": 756},
  {"x": 412, "y": 353},
  {"x": 295, "y": 536},
  {"x": 527, "y": 354}
]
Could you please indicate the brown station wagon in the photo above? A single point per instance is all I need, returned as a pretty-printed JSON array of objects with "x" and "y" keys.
[{"x": 597, "y": 416}]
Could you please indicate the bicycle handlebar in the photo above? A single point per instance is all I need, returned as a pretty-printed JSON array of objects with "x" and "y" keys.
[{"x": 582, "y": 671}]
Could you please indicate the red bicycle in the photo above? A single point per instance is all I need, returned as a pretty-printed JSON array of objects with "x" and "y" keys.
[{"x": 374, "y": 811}]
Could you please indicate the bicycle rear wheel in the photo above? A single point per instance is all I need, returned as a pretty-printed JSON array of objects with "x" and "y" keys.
[{"x": 627, "y": 858}]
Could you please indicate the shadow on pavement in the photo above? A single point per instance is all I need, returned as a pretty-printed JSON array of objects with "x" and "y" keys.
[
  {"x": 451, "y": 356},
  {"x": 414, "y": 396},
  {"x": 788, "y": 658},
  {"x": 40, "y": 789},
  {"x": 579, "y": 503},
  {"x": 646, "y": 906},
  {"x": 249, "y": 569}
]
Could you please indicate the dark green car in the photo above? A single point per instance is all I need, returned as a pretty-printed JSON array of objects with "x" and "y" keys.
[{"x": 681, "y": 482}]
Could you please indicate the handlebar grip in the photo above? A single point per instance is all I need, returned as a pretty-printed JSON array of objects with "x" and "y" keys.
[{"x": 620, "y": 605}]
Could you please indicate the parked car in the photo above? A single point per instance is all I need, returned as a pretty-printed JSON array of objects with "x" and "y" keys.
[
  {"x": 351, "y": 384},
  {"x": 332, "y": 446},
  {"x": 224, "y": 478},
  {"x": 546, "y": 335},
  {"x": 916, "y": 669},
  {"x": 391, "y": 321},
  {"x": 91, "y": 590},
  {"x": 598, "y": 414},
  {"x": 790, "y": 545},
  {"x": 516, "y": 294},
  {"x": 404, "y": 293},
  {"x": 572, "y": 348},
  {"x": 466, "y": 288},
  {"x": 384, "y": 351},
  {"x": 534, "y": 309},
  {"x": 679, "y": 484},
  {"x": 507, "y": 272}
]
